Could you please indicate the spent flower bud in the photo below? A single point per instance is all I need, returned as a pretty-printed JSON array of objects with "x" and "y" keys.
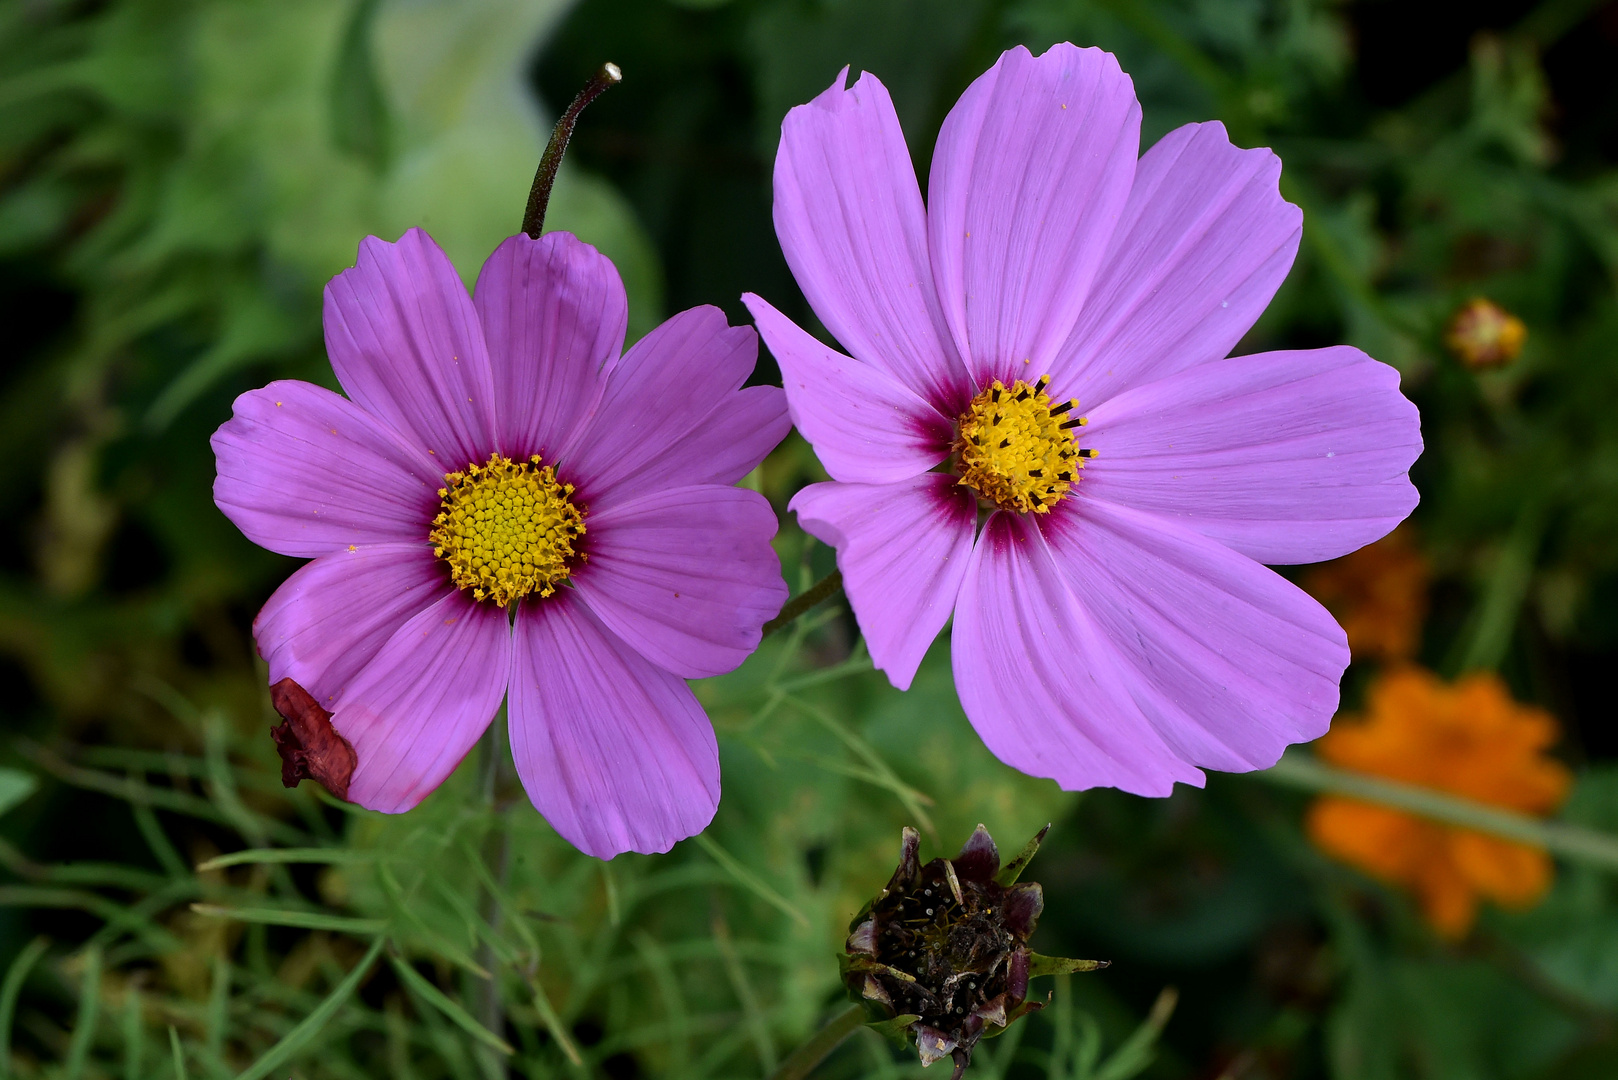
[
  {"x": 940, "y": 956},
  {"x": 1485, "y": 335}
]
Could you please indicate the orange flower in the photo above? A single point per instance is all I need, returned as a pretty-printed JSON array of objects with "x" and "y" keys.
[
  {"x": 1485, "y": 335},
  {"x": 1379, "y": 594},
  {"x": 1471, "y": 739}
]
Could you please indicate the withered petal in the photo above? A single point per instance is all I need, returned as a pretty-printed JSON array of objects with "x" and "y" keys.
[
  {"x": 1021, "y": 908},
  {"x": 909, "y": 864},
  {"x": 979, "y": 859},
  {"x": 931, "y": 1043},
  {"x": 310, "y": 748}
]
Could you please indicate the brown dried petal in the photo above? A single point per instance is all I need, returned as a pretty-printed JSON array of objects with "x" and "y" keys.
[{"x": 310, "y": 748}]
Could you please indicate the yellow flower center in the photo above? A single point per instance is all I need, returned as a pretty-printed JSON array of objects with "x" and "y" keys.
[
  {"x": 507, "y": 529},
  {"x": 1016, "y": 449}
]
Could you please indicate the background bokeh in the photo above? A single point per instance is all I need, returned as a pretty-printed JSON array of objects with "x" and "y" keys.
[{"x": 179, "y": 178}]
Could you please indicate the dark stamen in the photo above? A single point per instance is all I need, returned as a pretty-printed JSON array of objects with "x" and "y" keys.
[
  {"x": 1067, "y": 476},
  {"x": 1087, "y": 453},
  {"x": 994, "y": 395},
  {"x": 1044, "y": 381},
  {"x": 1077, "y": 421},
  {"x": 1004, "y": 443},
  {"x": 1058, "y": 410},
  {"x": 539, "y": 196},
  {"x": 1024, "y": 395},
  {"x": 1036, "y": 472}
]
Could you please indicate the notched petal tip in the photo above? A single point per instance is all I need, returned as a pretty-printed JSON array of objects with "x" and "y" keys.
[
  {"x": 979, "y": 859},
  {"x": 310, "y": 747}
]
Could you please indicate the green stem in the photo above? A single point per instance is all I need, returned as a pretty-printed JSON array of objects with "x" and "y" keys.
[
  {"x": 539, "y": 196},
  {"x": 1588, "y": 846},
  {"x": 818, "y": 593},
  {"x": 802, "y": 1061}
]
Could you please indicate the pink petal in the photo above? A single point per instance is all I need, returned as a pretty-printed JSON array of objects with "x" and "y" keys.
[
  {"x": 1032, "y": 168},
  {"x": 613, "y": 750},
  {"x": 405, "y": 343},
  {"x": 554, "y": 313},
  {"x": 686, "y": 576},
  {"x": 416, "y": 709},
  {"x": 727, "y": 444},
  {"x": 866, "y": 428},
  {"x": 1288, "y": 457},
  {"x": 902, "y": 549},
  {"x": 853, "y": 229},
  {"x": 303, "y": 471},
  {"x": 1203, "y": 244},
  {"x": 672, "y": 411},
  {"x": 330, "y": 619},
  {"x": 1038, "y": 679},
  {"x": 1229, "y": 661}
]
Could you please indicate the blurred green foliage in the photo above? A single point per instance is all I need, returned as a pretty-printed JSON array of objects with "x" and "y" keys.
[{"x": 178, "y": 179}]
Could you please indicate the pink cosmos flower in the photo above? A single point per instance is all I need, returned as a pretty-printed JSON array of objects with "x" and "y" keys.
[
  {"x": 503, "y": 503},
  {"x": 1113, "y": 622}
]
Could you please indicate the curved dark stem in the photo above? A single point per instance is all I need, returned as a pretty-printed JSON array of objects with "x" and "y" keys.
[
  {"x": 802, "y": 1061},
  {"x": 539, "y": 196},
  {"x": 818, "y": 593}
]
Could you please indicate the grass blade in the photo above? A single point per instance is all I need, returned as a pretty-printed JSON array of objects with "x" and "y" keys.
[
  {"x": 16, "y": 975},
  {"x": 748, "y": 880},
  {"x": 438, "y": 1000},
  {"x": 179, "y": 1054},
  {"x": 310, "y": 1026},
  {"x": 302, "y": 920},
  {"x": 255, "y": 856},
  {"x": 84, "y": 1027}
]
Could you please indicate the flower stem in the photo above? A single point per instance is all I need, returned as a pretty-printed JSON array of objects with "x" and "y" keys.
[
  {"x": 802, "y": 1061},
  {"x": 818, "y": 593},
  {"x": 539, "y": 196},
  {"x": 1589, "y": 846}
]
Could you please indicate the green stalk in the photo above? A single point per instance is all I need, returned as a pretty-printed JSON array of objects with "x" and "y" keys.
[
  {"x": 539, "y": 196},
  {"x": 802, "y": 1061},
  {"x": 1575, "y": 842},
  {"x": 816, "y": 594}
]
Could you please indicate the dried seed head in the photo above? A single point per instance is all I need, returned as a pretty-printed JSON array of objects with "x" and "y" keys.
[{"x": 944, "y": 948}]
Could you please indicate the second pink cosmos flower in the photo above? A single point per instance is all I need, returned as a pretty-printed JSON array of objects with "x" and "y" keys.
[
  {"x": 503, "y": 503},
  {"x": 1047, "y": 341}
]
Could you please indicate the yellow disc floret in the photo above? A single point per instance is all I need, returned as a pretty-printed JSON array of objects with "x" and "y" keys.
[
  {"x": 507, "y": 529},
  {"x": 1016, "y": 449}
]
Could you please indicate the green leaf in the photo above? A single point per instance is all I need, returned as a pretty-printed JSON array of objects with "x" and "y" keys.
[
  {"x": 437, "y": 999},
  {"x": 897, "y": 1029},
  {"x": 1039, "y": 964},
  {"x": 1010, "y": 872},
  {"x": 306, "y": 1031},
  {"x": 303, "y": 920},
  {"x": 15, "y": 786}
]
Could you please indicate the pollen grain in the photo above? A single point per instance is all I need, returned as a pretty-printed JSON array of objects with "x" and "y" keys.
[
  {"x": 1016, "y": 448},
  {"x": 507, "y": 529}
]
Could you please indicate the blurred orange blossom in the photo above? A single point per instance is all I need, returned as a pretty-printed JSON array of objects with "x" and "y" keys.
[
  {"x": 1379, "y": 594},
  {"x": 1468, "y": 738}
]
